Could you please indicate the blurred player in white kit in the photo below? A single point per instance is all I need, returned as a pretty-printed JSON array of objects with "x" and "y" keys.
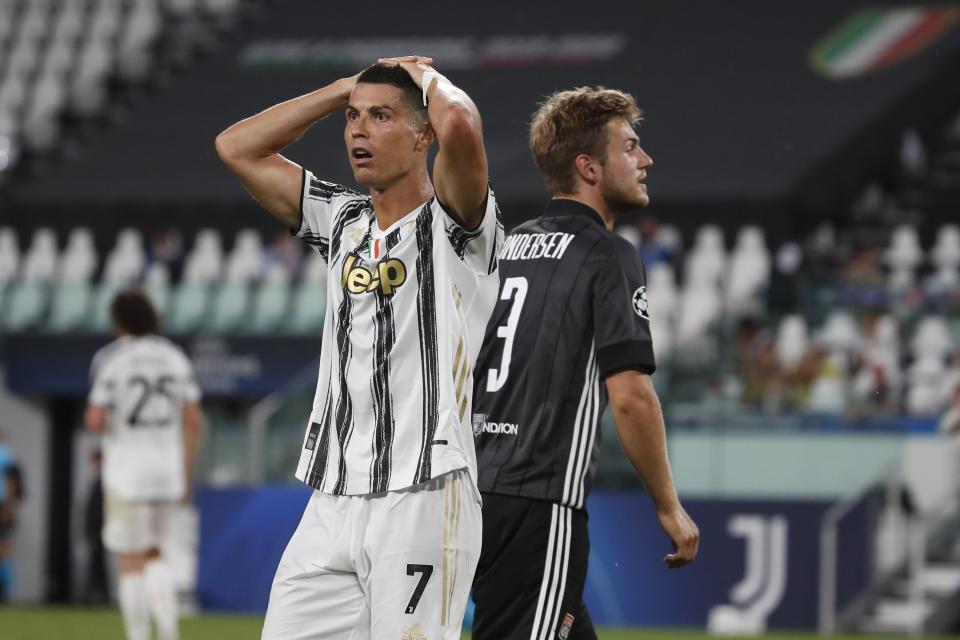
[{"x": 145, "y": 401}]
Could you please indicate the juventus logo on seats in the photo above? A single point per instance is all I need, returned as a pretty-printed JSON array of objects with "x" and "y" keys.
[
  {"x": 387, "y": 276},
  {"x": 764, "y": 581}
]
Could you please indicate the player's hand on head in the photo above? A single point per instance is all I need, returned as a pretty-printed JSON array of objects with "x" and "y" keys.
[
  {"x": 684, "y": 536},
  {"x": 414, "y": 65}
]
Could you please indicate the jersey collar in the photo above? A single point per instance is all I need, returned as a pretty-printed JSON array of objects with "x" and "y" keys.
[{"x": 567, "y": 207}]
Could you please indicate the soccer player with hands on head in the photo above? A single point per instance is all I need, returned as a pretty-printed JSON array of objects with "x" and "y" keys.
[{"x": 389, "y": 541}]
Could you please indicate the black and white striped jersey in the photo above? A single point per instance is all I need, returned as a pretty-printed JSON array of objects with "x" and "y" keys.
[
  {"x": 572, "y": 310},
  {"x": 143, "y": 382},
  {"x": 406, "y": 311}
]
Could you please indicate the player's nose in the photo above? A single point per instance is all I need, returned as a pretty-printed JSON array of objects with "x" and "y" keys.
[{"x": 645, "y": 159}]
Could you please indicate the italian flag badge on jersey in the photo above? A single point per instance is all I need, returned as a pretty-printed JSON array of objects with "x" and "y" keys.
[{"x": 873, "y": 39}]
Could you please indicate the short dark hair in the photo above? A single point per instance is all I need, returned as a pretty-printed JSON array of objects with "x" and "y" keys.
[
  {"x": 396, "y": 76},
  {"x": 133, "y": 313},
  {"x": 572, "y": 122}
]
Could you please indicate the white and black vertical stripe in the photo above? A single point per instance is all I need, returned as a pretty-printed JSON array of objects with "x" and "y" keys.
[
  {"x": 584, "y": 431},
  {"x": 385, "y": 337},
  {"x": 344, "y": 418},
  {"x": 553, "y": 584},
  {"x": 494, "y": 246},
  {"x": 427, "y": 322},
  {"x": 317, "y": 468}
]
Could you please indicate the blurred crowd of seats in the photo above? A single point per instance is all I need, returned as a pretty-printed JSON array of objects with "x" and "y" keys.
[
  {"x": 252, "y": 288},
  {"x": 818, "y": 327},
  {"x": 58, "y": 58},
  {"x": 812, "y": 327}
]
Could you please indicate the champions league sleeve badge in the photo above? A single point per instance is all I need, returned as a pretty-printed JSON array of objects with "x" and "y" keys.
[{"x": 640, "y": 305}]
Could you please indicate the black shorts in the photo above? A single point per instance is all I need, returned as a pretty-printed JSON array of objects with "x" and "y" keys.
[{"x": 533, "y": 566}]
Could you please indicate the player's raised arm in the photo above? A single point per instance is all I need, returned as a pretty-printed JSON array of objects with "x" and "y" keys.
[
  {"x": 636, "y": 412},
  {"x": 251, "y": 148},
  {"x": 460, "y": 169}
]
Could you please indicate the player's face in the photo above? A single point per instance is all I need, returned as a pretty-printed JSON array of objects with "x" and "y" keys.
[
  {"x": 382, "y": 135},
  {"x": 624, "y": 169}
]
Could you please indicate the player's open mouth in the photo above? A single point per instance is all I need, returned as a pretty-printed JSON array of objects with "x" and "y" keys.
[{"x": 360, "y": 156}]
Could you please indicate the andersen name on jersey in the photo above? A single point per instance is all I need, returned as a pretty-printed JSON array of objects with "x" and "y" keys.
[
  {"x": 405, "y": 316},
  {"x": 571, "y": 310}
]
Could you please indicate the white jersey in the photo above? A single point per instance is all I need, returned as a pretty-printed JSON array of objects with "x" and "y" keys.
[
  {"x": 144, "y": 383},
  {"x": 406, "y": 312}
]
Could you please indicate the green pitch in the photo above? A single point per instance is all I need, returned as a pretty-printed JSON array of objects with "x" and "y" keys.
[{"x": 40, "y": 623}]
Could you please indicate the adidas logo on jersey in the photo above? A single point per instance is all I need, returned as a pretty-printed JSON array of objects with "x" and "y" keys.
[{"x": 356, "y": 278}]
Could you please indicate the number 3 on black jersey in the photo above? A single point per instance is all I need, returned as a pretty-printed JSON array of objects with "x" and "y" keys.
[{"x": 515, "y": 288}]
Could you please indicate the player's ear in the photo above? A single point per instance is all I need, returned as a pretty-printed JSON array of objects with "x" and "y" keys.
[
  {"x": 587, "y": 168},
  {"x": 425, "y": 137}
]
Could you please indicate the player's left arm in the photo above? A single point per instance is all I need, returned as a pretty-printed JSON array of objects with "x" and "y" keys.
[
  {"x": 460, "y": 172},
  {"x": 95, "y": 418},
  {"x": 192, "y": 422},
  {"x": 625, "y": 358},
  {"x": 98, "y": 402},
  {"x": 639, "y": 420},
  {"x": 192, "y": 432}
]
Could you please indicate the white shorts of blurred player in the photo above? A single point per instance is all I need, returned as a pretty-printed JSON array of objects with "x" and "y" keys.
[
  {"x": 389, "y": 565},
  {"x": 136, "y": 526}
]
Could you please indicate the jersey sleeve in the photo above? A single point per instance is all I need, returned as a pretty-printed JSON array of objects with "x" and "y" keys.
[
  {"x": 191, "y": 390},
  {"x": 318, "y": 204},
  {"x": 478, "y": 248},
  {"x": 621, "y": 317},
  {"x": 103, "y": 384}
]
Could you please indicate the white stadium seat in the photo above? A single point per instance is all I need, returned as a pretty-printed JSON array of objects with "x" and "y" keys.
[{"x": 792, "y": 341}]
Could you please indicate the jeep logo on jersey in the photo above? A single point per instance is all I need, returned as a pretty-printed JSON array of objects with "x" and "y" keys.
[
  {"x": 388, "y": 275},
  {"x": 640, "y": 305}
]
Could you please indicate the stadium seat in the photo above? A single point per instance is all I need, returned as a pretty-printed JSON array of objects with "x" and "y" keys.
[
  {"x": 139, "y": 34},
  {"x": 9, "y": 255},
  {"x": 189, "y": 307},
  {"x": 79, "y": 260},
  {"x": 926, "y": 394},
  {"x": 125, "y": 261},
  {"x": 204, "y": 263},
  {"x": 309, "y": 306},
  {"x": 99, "y": 317},
  {"x": 792, "y": 341},
  {"x": 662, "y": 292},
  {"x": 69, "y": 305},
  {"x": 932, "y": 338},
  {"x": 904, "y": 252},
  {"x": 156, "y": 284},
  {"x": 40, "y": 261},
  {"x": 828, "y": 394},
  {"x": 661, "y": 329},
  {"x": 945, "y": 257},
  {"x": 270, "y": 305},
  {"x": 699, "y": 309},
  {"x": 749, "y": 272},
  {"x": 245, "y": 262},
  {"x": 26, "y": 305},
  {"x": 840, "y": 333},
  {"x": 230, "y": 307},
  {"x": 707, "y": 259}
]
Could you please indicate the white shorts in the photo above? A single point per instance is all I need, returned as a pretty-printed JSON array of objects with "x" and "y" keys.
[
  {"x": 394, "y": 565},
  {"x": 131, "y": 526}
]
